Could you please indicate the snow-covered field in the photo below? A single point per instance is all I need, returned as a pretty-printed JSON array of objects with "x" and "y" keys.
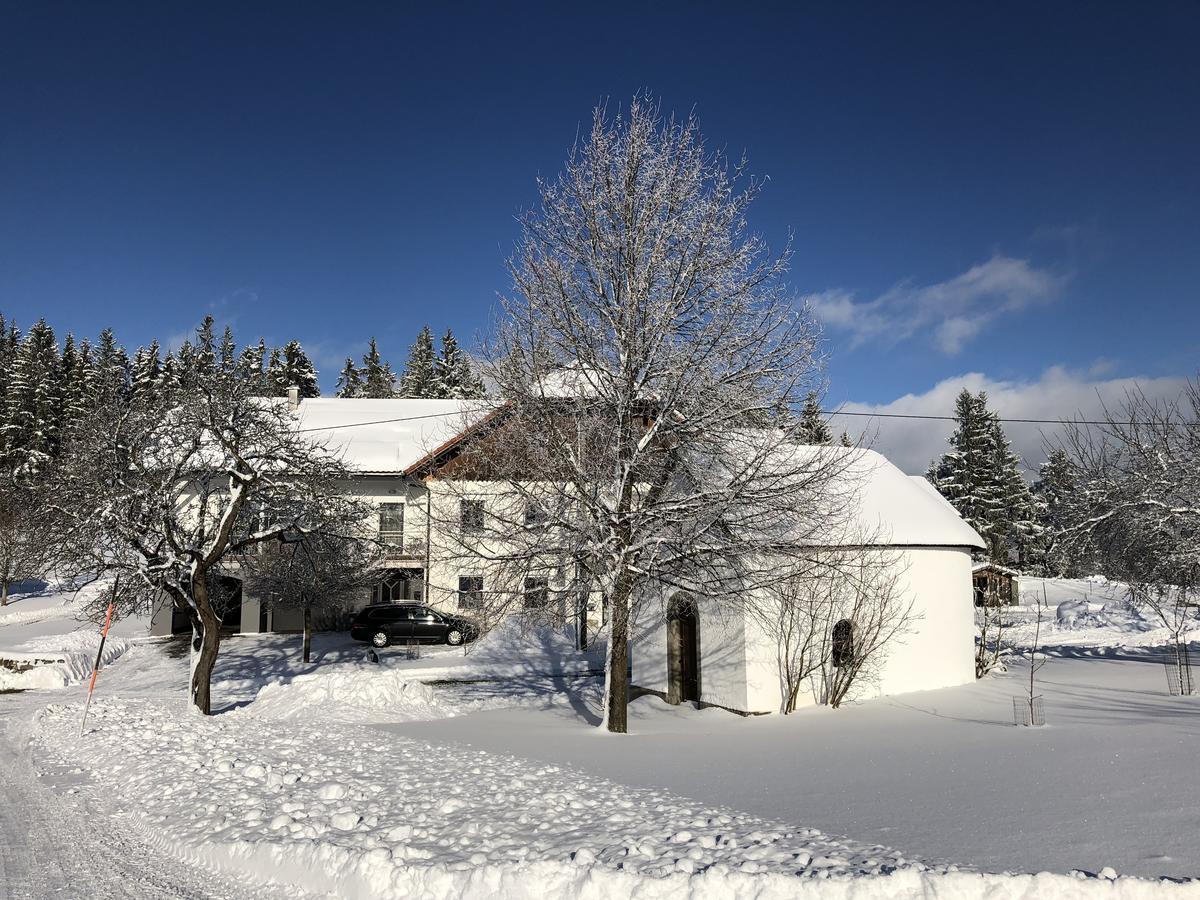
[{"x": 477, "y": 775}]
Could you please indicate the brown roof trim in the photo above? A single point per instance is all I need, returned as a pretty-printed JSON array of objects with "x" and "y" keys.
[{"x": 439, "y": 455}]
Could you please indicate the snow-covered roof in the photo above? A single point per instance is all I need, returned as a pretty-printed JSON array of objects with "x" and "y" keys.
[
  {"x": 869, "y": 500},
  {"x": 993, "y": 567},
  {"x": 903, "y": 510},
  {"x": 386, "y": 436}
]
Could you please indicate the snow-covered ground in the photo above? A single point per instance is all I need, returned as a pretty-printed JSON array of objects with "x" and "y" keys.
[
  {"x": 477, "y": 775},
  {"x": 46, "y": 642}
]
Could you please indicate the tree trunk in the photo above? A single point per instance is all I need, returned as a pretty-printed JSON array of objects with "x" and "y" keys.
[
  {"x": 4, "y": 594},
  {"x": 581, "y": 635},
  {"x": 210, "y": 645},
  {"x": 616, "y": 710},
  {"x": 307, "y": 632}
]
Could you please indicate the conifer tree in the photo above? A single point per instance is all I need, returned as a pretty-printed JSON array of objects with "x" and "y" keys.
[
  {"x": 250, "y": 366},
  {"x": 289, "y": 366},
  {"x": 111, "y": 381},
  {"x": 845, "y": 441},
  {"x": 1059, "y": 551},
  {"x": 377, "y": 381},
  {"x": 206, "y": 348},
  {"x": 420, "y": 377},
  {"x": 185, "y": 369},
  {"x": 1014, "y": 521},
  {"x": 812, "y": 428},
  {"x": 964, "y": 474},
  {"x": 72, "y": 387},
  {"x": 228, "y": 359},
  {"x": 454, "y": 375},
  {"x": 146, "y": 372},
  {"x": 33, "y": 405},
  {"x": 171, "y": 378},
  {"x": 300, "y": 370},
  {"x": 349, "y": 383}
]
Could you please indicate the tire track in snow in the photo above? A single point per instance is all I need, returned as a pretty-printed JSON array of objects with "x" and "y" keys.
[{"x": 52, "y": 848}]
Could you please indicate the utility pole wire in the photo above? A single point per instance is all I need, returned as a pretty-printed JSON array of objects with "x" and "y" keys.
[{"x": 824, "y": 412}]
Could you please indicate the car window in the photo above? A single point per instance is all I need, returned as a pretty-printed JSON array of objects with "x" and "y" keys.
[
  {"x": 424, "y": 612},
  {"x": 389, "y": 615}
]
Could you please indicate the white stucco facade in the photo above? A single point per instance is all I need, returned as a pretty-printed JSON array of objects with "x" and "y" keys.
[{"x": 924, "y": 544}]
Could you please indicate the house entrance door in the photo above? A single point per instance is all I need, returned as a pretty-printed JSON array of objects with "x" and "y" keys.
[{"x": 683, "y": 651}]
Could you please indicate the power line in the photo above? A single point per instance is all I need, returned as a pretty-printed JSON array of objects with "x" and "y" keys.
[
  {"x": 879, "y": 415},
  {"x": 824, "y": 412},
  {"x": 379, "y": 422}
]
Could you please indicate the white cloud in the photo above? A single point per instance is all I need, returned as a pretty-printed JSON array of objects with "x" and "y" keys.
[
  {"x": 954, "y": 311},
  {"x": 1058, "y": 393}
]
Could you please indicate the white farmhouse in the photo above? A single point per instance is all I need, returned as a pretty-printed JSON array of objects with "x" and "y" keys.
[
  {"x": 408, "y": 457},
  {"x": 381, "y": 440}
]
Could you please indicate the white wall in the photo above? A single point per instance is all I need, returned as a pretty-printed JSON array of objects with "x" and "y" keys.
[
  {"x": 738, "y": 662},
  {"x": 722, "y": 652},
  {"x": 940, "y": 651}
]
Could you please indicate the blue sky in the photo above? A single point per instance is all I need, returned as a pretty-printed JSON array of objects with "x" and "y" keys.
[{"x": 1002, "y": 192}]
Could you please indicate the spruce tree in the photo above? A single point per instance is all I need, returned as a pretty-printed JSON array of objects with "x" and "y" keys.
[
  {"x": 228, "y": 359},
  {"x": 289, "y": 366},
  {"x": 420, "y": 377},
  {"x": 300, "y": 370},
  {"x": 171, "y": 379},
  {"x": 454, "y": 376},
  {"x": 964, "y": 474},
  {"x": 1058, "y": 550},
  {"x": 206, "y": 348},
  {"x": 32, "y": 416},
  {"x": 111, "y": 381},
  {"x": 250, "y": 366},
  {"x": 275, "y": 383},
  {"x": 349, "y": 383},
  {"x": 1014, "y": 525},
  {"x": 72, "y": 387},
  {"x": 186, "y": 371},
  {"x": 845, "y": 441},
  {"x": 377, "y": 380},
  {"x": 146, "y": 374},
  {"x": 813, "y": 428}
]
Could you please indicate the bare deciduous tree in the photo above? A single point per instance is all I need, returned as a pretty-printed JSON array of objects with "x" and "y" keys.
[
  {"x": 643, "y": 356},
  {"x": 168, "y": 489},
  {"x": 326, "y": 570},
  {"x": 1136, "y": 500},
  {"x": 869, "y": 613}
]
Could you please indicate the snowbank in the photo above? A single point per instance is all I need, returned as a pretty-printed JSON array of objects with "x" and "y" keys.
[
  {"x": 366, "y": 692},
  {"x": 56, "y": 661}
]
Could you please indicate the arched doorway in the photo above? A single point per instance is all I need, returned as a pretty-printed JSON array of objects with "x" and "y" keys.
[{"x": 683, "y": 650}]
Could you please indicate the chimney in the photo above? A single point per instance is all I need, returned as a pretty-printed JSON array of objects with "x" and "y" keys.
[{"x": 293, "y": 396}]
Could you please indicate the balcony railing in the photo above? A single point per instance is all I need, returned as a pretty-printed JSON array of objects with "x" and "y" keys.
[{"x": 401, "y": 548}]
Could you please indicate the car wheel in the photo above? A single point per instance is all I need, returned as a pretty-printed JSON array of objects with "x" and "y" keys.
[
  {"x": 380, "y": 639},
  {"x": 454, "y": 637}
]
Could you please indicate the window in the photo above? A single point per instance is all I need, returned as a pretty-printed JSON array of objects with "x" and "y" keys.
[
  {"x": 535, "y": 514},
  {"x": 537, "y": 593},
  {"x": 391, "y": 519},
  {"x": 388, "y": 615},
  {"x": 471, "y": 515},
  {"x": 843, "y": 643},
  {"x": 470, "y": 591}
]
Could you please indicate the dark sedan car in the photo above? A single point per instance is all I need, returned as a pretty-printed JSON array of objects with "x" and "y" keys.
[{"x": 399, "y": 623}]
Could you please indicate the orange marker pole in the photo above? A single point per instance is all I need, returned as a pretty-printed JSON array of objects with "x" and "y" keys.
[{"x": 99, "y": 654}]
